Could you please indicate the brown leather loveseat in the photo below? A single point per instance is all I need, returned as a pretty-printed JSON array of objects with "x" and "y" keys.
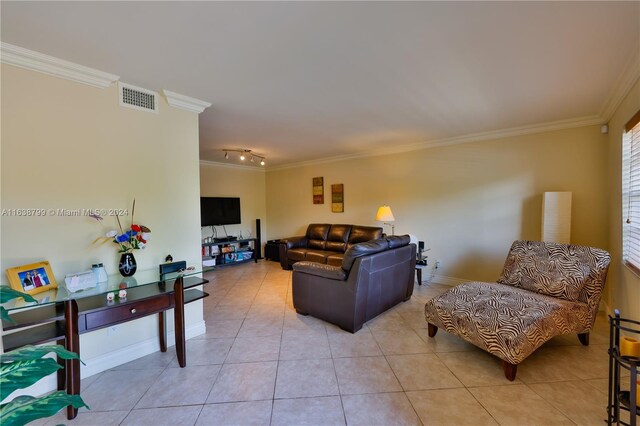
[
  {"x": 373, "y": 277},
  {"x": 325, "y": 243}
]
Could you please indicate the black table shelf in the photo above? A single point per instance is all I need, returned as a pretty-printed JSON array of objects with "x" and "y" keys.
[
  {"x": 622, "y": 400},
  {"x": 235, "y": 262},
  {"x": 33, "y": 316},
  {"x": 193, "y": 295},
  {"x": 239, "y": 246},
  {"x": 49, "y": 332},
  {"x": 190, "y": 282}
]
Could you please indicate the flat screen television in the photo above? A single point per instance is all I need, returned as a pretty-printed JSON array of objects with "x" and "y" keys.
[{"x": 219, "y": 211}]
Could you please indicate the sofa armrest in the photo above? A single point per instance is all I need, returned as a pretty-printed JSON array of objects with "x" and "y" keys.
[
  {"x": 321, "y": 270},
  {"x": 295, "y": 242}
]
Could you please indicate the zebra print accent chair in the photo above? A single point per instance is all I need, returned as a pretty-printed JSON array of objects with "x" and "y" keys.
[{"x": 545, "y": 290}]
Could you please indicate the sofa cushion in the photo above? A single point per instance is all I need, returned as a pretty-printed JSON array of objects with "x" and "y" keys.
[
  {"x": 507, "y": 322},
  {"x": 362, "y": 249},
  {"x": 335, "y": 259},
  {"x": 319, "y": 256},
  {"x": 398, "y": 240},
  {"x": 338, "y": 237},
  {"x": 552, "y": 269},
  {"x": 335, "y": 246},
  {"x": 361, "y": 234},
  {"x": 317, "y": 235},
  {"x": 318, "y": 231},
  {"x": 296, "y": 254},
  {"x": 317, "y": 244}
]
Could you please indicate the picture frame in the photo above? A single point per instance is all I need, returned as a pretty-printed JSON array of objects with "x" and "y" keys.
[
  {"x": 337, "y": 198},
  {"x": 318, "y": 190},
  {"x": 33, "y": 278}
]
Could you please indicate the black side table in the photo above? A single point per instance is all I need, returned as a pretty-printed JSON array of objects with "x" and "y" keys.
[
  {"x": 421, "y": 263},
  {"x": 272, "y": 250}
]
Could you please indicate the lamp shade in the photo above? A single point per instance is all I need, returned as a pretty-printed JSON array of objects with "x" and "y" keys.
[{"x": 385, "y": 214}]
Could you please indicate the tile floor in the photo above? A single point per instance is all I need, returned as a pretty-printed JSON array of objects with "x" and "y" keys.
[{"x": 260, "y": 363}]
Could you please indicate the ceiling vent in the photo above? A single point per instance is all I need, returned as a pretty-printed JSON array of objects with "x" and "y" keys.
[{"x": 137, "y": 98}]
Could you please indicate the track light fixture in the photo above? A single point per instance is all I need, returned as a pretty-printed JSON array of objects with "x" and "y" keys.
[{"x": 243, "y": 155}]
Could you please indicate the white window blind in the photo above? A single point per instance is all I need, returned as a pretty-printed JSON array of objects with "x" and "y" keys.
[{"x": 631, "y": 193}]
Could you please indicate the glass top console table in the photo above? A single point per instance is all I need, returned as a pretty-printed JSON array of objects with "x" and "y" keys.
[{"x": 62, "y": 316}]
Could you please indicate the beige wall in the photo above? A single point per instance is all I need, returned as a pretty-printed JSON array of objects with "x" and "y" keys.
[
  {"x": 69, "y": 145},
  {"x": 468, "y": 201},
  {"x": 219, "y": 180},
  {"x": 624, "y": 286}
]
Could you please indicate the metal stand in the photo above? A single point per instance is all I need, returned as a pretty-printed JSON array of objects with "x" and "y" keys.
[{"x": 622, "y": 400}]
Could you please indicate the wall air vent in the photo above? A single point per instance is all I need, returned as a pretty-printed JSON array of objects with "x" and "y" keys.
[{"x": 137, "y": 98}]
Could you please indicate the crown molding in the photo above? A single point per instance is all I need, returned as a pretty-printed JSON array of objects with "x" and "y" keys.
[
  {"x": 622, "y": 87},
  {"x": 187, "y": 103},
  {"x": 232, "y": 166},
  {"x": 35, "y": 61},
  {"x": 473, "y": 137}
]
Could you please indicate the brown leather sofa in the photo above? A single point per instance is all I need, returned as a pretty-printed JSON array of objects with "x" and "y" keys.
[
  {"x": 325, "y": 243},
  {"x": 373, "y": 277}
]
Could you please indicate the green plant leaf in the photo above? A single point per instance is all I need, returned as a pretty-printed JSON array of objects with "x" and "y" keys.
[
  {"x": 29, "y": 352},
  {"x": 7, "y": 294},
  {"x": 22, "y": 374},
  {"x": 24, "y": 409},
  {"x": 4, "y": 314}
]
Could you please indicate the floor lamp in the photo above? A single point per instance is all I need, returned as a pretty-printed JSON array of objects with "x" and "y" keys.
[{"x": 385, "y": 215}]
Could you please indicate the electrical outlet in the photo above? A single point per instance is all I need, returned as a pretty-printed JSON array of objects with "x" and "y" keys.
[{"x": 438, "y": 264}]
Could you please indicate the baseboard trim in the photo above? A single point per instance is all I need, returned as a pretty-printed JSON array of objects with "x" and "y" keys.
[
  {"x": 129, "y": 353},
  {"x": 111, "y": 359},
  {"x": 445, "y": 280}
]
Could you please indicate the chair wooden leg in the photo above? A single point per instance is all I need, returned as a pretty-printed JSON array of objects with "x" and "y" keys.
[
  {"x": 584, "y": 338},
  {"x": 432, "y": 330},
  {"x": 509, "y": 370}
]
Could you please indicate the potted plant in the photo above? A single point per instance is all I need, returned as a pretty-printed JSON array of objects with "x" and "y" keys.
[{"x": 21, "y": 368}]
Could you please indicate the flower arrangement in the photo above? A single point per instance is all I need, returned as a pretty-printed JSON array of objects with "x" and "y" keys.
[{"x": 134, "y": 237}]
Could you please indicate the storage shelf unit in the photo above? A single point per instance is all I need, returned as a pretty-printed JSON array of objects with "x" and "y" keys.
[
  {"x": 622, "y": 400},
  {"x": 228, "y": 253}
]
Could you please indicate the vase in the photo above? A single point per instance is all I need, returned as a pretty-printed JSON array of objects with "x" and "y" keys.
[{"x": 127, "y": 265}]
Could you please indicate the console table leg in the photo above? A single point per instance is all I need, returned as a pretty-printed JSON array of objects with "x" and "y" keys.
[
  {"x": 181, "y": 352},
  {"x": 162, "y": 330},
  {"x": 72, "y": 339}
]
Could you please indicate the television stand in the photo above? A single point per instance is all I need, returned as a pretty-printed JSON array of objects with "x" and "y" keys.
[
  {"x": 224, "y": 239},
  {"x": 230, "y": 252}
]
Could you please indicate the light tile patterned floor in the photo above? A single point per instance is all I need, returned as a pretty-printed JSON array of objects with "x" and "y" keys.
[{"x": 262, "y": 364}]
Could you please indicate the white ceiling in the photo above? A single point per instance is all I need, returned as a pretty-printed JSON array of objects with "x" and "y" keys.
[{"x": 305, "y": 80}]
